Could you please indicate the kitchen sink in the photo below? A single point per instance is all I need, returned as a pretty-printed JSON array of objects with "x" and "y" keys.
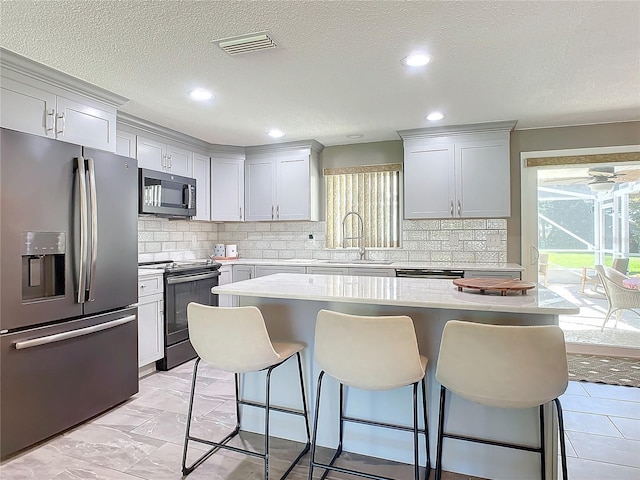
[{"x": 370, "y": 262}]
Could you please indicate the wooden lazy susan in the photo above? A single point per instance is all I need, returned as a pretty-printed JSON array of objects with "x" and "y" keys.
[{"x": 500, "y": 284}]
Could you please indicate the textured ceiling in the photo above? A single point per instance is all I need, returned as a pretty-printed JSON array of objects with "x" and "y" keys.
[{"x": 338, "y": 70}]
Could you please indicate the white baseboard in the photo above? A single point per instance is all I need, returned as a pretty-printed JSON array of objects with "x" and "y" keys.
[{"x": 146, "y": 370}]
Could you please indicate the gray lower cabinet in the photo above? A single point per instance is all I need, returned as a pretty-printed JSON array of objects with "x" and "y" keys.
[
  {"x": 264, "y": 270},
  {"x": 372, "y": 272},
  {"x": 226, "y": 276},
  {"x": 493, "y": 274},
  {"x": 328, "y": 270}
]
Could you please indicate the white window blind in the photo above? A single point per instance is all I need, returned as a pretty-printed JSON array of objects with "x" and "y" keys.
[{"x": 373, "y": 192}]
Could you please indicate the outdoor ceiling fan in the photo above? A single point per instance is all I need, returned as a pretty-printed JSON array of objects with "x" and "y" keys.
[
  {"x": 600, "y": 179},
  {"x": 603, "y": 179}
]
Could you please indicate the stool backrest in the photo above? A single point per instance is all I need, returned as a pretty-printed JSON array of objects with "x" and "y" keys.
[
  {"x": 503, "y": 366},
  {"x": 372, "y": 353},
  {"x": 232, "y": 339}
]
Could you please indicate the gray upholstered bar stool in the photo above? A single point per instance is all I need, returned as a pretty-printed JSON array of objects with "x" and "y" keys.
[
  {"x": 505, "y": 367},
  {"x": 369, "y": 353},
  {"x": 236, "y": 340}
]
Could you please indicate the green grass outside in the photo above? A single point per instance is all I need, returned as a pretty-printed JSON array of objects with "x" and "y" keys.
[{"x": 577, "y": 260}]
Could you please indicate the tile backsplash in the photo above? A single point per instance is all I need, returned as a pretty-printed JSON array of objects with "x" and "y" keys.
[{"x": 459, "y": 240}]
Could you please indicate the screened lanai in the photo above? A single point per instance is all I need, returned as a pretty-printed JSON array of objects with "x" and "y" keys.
[{"x": 587, "y": 216}]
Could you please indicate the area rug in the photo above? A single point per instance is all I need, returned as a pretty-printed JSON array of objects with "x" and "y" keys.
[{"x": 609, "y": 370}]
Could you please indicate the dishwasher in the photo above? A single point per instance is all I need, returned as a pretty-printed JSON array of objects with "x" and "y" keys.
[{"x": 429, "y": 273}]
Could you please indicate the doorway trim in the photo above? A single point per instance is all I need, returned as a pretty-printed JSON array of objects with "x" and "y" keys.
[
  {"x": 529, "y": 230},
  {"x": 529, "y": 199}
]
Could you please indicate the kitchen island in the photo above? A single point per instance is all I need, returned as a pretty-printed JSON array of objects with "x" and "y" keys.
[{"x": 290, "y": 303}]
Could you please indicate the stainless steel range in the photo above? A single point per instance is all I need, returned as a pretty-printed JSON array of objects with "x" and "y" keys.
[{"x": 184, "y": 282}]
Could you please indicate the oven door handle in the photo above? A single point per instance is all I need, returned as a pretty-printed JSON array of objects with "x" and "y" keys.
[{"x": 191, "y": 278}]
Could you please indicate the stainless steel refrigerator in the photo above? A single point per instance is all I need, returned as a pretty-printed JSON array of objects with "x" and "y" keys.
[{"x": 68, "y": 280}]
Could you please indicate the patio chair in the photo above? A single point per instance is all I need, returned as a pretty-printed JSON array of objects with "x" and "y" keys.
[
  {"x": 620, "y": 264},
  {"x": 543, "y": 266},
  {"x": 619, "y": 297}
]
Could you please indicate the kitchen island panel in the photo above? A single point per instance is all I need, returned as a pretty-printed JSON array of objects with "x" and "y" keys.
[{"x": 294, "y": 320}]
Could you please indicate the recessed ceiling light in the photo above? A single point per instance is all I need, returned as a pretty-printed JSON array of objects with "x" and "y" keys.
[
  {"x": 201, "y": 94},
  {"x": 435, "y": 116},
  {"x": 275, "y": 133},
  {"x": 355, "y": 135},
  {"x": 416, "y": 60}
]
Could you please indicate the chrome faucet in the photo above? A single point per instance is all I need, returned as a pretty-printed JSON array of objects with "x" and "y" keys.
[{"x": 359, "y": 237}]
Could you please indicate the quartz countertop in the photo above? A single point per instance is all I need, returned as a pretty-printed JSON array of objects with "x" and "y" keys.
[
  {"x": 311, "y": 262},
  {"x": 146, "y": 272},
  {"x": 407, "y": 292}
]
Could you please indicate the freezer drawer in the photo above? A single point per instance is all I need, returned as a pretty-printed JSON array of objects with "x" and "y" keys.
[{"x": 52, "y": 378}]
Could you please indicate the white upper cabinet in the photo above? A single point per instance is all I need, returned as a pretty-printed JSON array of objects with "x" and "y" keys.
[
  {"x": 483, "y": 184},
  {"x": 429, "y": 185},
  {"x": 293, "y": 186},
  {"x": 260, "y": 188},
  {"x": 126, "y": 144},
  {"x": 227, "y": 188},
  {"x": 201, "y": 172},
  {"x": 27, "y": 109},
  {"x": 163, "y": 157},
  {"x": 457, "y": 172},
  {"x": 62, "y": 107},
  {"x": 282, "y": 184}
]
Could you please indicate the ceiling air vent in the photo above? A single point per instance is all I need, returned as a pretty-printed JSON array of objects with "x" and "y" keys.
[{"x": 252, "y": 42}]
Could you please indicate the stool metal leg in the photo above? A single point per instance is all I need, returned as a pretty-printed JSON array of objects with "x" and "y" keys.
[
  {"x": 344, "y": 418},
  {"x": 215, "y": 446},
  {"x": 563, "y": 451},
  {"x": 186, "y": 436},
  {"x": 426, "y": 426},
  {"x": 443, "y": 393},
  {"x": 312, "y": 457},
  {"x": 543, "y": 466},
  {"x": 416, "y": 465}
]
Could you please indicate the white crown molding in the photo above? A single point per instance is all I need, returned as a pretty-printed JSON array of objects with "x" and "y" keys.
[
  {"x": 314, "y": 145},
  {"x": 457, "y": 129},
  {"x": 143, "y": 126},
  {"x": 22, "y": 65}
]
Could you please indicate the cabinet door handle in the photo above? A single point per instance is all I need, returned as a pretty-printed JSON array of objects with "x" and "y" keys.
[
  {"x": 451, "y": 208},
  {"x": 60, "y": 117},
  {"x": 240, "y": 213},
  {"x": 271, "y": 212},
  {"x": 49, "y": 120},
  {"x": 170, "y": 163},
  {"x": 459, "y": 208},
  {"x": 163, "y": 163},
  {"x": 278, "y": 212}
]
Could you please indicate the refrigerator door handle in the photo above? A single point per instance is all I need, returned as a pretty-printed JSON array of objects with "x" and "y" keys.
[
  {"x": 58, "y": 337},
  {"x": 82, "y": 273},
  {"x": 94, "y": 227}
]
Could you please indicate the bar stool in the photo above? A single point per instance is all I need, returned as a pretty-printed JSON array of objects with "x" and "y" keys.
[
  {"x": 505, "y": 367},
  {"x": 369, "y": 353},
  {"x": 236, "y": 340}
]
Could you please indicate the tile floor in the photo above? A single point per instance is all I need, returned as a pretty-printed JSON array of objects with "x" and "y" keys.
[{"x": 142, "y": 438}]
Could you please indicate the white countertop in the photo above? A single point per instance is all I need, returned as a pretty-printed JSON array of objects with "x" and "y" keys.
[
  {"x": 310, "y": 262},
  {"x": 147, "y": 272},
  {"x": 407, "y": 292}
]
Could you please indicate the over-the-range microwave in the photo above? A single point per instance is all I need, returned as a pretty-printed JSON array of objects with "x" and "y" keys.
[{"x": 166, "y": 194}]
